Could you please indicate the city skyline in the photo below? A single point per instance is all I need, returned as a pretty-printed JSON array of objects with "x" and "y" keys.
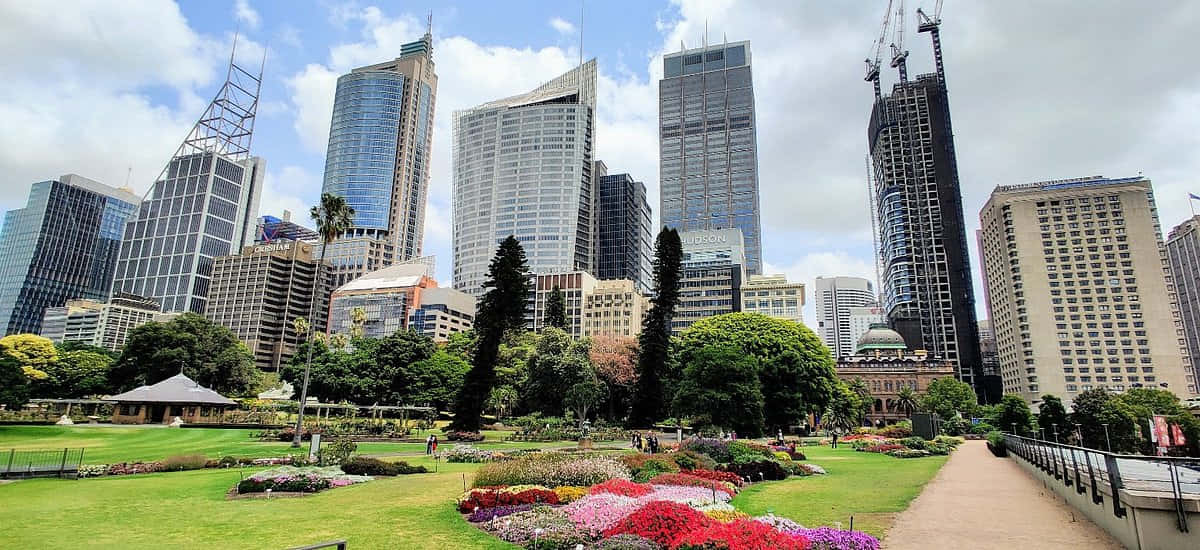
[{"x": 321, "y": 45}]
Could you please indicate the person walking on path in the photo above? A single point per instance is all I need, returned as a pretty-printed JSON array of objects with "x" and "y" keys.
[
  {"x": 835, "y": 434},
  {"x": 435, "y": 444},
  {"x": 429, "y": 444},
  {"x": 633, "y": 440}
]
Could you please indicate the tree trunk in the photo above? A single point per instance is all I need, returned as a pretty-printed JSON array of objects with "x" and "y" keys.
[{"x": 308, "y": 338}]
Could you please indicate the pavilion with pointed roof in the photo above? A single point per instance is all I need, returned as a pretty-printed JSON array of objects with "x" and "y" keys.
[{"x": 176, "y": 397}]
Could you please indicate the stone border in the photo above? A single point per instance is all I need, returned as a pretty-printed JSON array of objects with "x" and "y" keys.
[{"x": 232, "y": 494}]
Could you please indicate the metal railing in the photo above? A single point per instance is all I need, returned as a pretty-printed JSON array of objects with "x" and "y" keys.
[
  {"x": 1085, "y": 469},
  {"x": 339, "y": 544},
  {"x": 34, "y": 463}
]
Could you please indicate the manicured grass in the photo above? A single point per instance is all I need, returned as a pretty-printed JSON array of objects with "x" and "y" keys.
[
  {"x": 869, "y": 486},
  {"x": 109, "y": 444}
]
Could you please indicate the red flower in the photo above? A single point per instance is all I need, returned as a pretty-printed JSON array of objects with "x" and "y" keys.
[
  {"x": 491, "y": 498},
  {"x": 743, "y": 534},
  {"x": 717, "y": 476},
  {"x": 688, "y": 480},
  {"x": 661, "y": 521},
  {"x": 621, "y": 487}
]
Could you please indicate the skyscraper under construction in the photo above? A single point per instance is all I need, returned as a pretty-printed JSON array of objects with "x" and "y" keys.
[{"x": 922, "y": 246}]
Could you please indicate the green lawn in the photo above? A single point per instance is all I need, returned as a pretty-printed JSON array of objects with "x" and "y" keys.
[
  {"x": 869, "y": 486},
  {"x": 109, "y": 444},
  {"x": 179, "y": 509}
]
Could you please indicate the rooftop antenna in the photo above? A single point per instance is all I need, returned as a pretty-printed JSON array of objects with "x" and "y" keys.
[
  {"x": 580, "y": 33},
  {"x": 706, "y": 33},
  {"x": 128, "y": 176}
]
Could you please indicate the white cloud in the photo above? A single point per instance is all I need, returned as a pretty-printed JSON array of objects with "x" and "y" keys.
[
  {"x": 562, "y": 25},
  {"x": 312, "y": 97},
  {"x": 289, "y": 36},
  {"x": 244, "y": 12}
]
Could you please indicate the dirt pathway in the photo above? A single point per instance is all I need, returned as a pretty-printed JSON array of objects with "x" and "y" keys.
[{"x": 978, "y": 501}]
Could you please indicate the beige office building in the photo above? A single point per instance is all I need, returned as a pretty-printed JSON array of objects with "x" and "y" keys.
[
  {"x": 259, "y": 293},
  {"x": 1080, "y": 291},
  {"x": 104, "y": 324},
  {"x": 773, "y": 296},
  {"x": 442, "y": 311},
  {"x": 614, "y": 308},
  {"x": 575, "y": 286}
]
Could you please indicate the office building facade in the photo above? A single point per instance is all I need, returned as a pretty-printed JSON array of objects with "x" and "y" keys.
[
  {"x": 61, "y": 246},
  {"x": 442, "y": 311},
  {"x": 105, "y": 324},
  {"x": 624, "y": 235},
  {"x": 862, "y": 319},
  {"x": 271, "y": 229},
  {"x": 385, "y": 297},
  {"x": 883, "y": 362},
  {"x": 710, "y": 275},
  {"x": 1080, "y": 288},
  {"x": 614, "y": 308},
  {"x": 575, "y": 287},
  {"x": 523, "y": 166},
  {"x": 1183, "y": 253},
  {"x": 378, "y": 159},
  {"x": 259, "y": 293},
  {"x": 834, "y": 298},
  {"x": 708, "y": 167},
  {"x": 773, "y": 296}
]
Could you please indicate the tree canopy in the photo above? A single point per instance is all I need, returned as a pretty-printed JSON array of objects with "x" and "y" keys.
[
  {"x": 558, "y": 362},
  {"x": 720, "y": 388},
  {"x": 1094, "y": 410},
  {"x": 204, "y": 351},
  {"x": 1051, "y": 412},
  {"x": 654, "y": 342},
  {"x": 556, "y": 309},
  {"x": 1014, "y": 411},
  {"x": 76, "y": 374},
  {"x": 948, "y": 397}
]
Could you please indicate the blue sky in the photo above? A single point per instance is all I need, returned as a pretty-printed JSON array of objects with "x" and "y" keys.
[{"x": 108, "y": 89}]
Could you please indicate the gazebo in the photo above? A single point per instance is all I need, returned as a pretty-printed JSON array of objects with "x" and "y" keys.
[{"x": 177, "y": 396}]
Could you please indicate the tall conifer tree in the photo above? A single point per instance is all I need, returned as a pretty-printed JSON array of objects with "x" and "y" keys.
[{"x": 649, "y": 400}]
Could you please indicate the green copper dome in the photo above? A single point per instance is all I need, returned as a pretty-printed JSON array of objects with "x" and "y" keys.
[{"x": 880, "y": 337}]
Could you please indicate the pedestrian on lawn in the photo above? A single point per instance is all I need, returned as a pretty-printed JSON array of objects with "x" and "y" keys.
[
  {"x": 435, "y": 442},
  {"x": 429, "y": 444}
]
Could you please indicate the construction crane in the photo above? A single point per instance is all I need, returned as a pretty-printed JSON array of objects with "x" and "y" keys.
[
  {"x": 899, "y": 54},
  {"x": 931, "y": 25},
  {"x": 877, "y": 50}
]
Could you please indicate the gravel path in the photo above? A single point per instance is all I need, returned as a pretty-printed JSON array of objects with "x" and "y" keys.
[{"x": 979, "y": 501}]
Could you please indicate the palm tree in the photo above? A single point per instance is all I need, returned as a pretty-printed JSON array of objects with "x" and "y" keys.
[
  {"x": 334, "y": 217},
  {"x": 906, "y": 400},
  {"x": 837, "y": 418},
  {"x": 358, "y": 320}
]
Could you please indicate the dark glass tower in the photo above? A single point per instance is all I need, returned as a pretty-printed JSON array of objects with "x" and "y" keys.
[
  {"x": 708, "y": 151},
  {"x": 62, "y": 246},
  {"x": 623, "y": 232}
]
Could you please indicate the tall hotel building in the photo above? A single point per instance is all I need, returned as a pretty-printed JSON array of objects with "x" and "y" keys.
[
  {"x": 62, "y": 246},
  {"x": 836, "y": 298},
  {"x": 1081, "y": 291},
  {"x": 711, "y": 274},
  {"x": 523, "y": 166},
  {"x": 1183, "y": 252},
  {"x": 378, "y": 159},
  {"x": 926, "y": 271},
  {"x": 204, "y": 204},
  {"x": 708, "y": 165},
  {"x": 623, "y": 232}
]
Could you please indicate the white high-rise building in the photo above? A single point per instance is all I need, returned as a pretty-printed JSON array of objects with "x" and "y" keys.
[
  {"x": 861, "y": 320},
  {"x": 523, "y": 166},
  {"x": 834, "y": 297}
]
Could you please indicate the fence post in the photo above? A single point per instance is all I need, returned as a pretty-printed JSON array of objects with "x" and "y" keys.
[
  {"x": 1075, "y": 466},
  {"x": 1114, "y": 482},
  {"x": 62, "y": 466},
  {"x": 8, "y": 469},
  {"x": 1096, "y": 498},
  {"x": 1060, "y": 457}
]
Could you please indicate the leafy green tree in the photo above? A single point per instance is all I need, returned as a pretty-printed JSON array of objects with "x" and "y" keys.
[
  {"x": 583, "y": 395},
  {"x": 64, "y": 347},
  {"x": 1012, "y": 410},
  {"x": 79, "y": 373},
  {"x": 556, "y": 309},
  {"x": 795, "y": 369},
  {"x": 844, "y": 410},
  {"x": 720, "y": 388},
  {"x": 333, "y": 217},
  {"x": 14, "y": 383},
  {"x": 1145, "y": 403},
  {"x": 436, "y": 380},
  {"x": 907, "y": 401},
  {"x": 350, "y": 374},
  {"x": 204, "y": 351},
  {"x": 502, "y": 309},
  {"x": 948, "y": 397},
  {"x": 398, "y": 359},
  {"x": 865, "y": 398},
  {"x": 654, "y": 342},
  {"x": 23, "y": 360},
  {"x": 461, "y": 344},
  {"x": 558, "y": 363},
  {"x": 1050, "y": 412},
  {"x": 501, "y": 400},
  {"x": 1093, "y": 409}
]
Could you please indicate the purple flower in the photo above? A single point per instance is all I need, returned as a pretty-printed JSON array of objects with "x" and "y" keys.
[
  {"x": 828, "y": 538},
  {"x": 487, "y": 514}
]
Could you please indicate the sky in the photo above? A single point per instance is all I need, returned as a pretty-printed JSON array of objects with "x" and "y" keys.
[{"x": 1038, "y": 91}]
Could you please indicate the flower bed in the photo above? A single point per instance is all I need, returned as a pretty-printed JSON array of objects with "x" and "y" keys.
[
  {"x": 291, "y": 479},
  {"x": 828, "y": 538},
  {"x": 693, "y": 481},
  {"x": 552, "y": 470},
  {"x": 621, "y": 487},
  {"x": 491, "y": 497},
  {"x": 717, "y": 476},
  {"x": 741, "y": 534},
  {"x": 570, "y": 493},
  {"x": 470, "y": 454}
]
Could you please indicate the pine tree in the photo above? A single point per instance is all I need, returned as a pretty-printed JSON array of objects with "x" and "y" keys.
[
  {"x": 649, "y": 398},
  {"x": 501, "y": 309},
  {"x": 556, "y": 309}
]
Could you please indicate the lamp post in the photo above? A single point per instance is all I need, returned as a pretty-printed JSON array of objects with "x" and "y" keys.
[
  {"x": 1014, "y": 425},
  {"x": 1107, "y": 441},
  {"x": 1055, "y": 432}
]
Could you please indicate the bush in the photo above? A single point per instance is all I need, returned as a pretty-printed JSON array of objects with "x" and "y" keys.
[
  {"x": 728, "y": 477},
  {"x": 980, "y": 428},
  {"x": 759, "y": 470},
  {"x": 908, "y": 453},
  {"x": 363, "y": 466},
  {"x": 470, "y": 437},
  {"x": 179, "y": 463},
  {"x": 627, "y": 542},
  {"x": 292, "y": 484},
  {"x": 124, "y": 468},
  {"x": 228, "y": 462},
  {"x": 488, "y": 514},
  {"x": 92, "y": 470},
  {"x": 745, "y": 451},
  {"x": 662, "y": 522},
  {"x": 882, "y": 448},
  {"x": 551, "y": 469},
  {"x": 468, "y": 454},
  {"x": 955, "y": 426},
  {"x": 828, "y": 538},
  {"x": 691, "y": 460},
  {"x": 484, "y": 498},
  {"x": 914, "y": 442},
  {"x": 336, "y": 452},
  {"x": 896, "y": 431},
  {"x": 948, "y": 441},
  {"x": 652, "y": 468},
  {"x": 716, "y": 449}
]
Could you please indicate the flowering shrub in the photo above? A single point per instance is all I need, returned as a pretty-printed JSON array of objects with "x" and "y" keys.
[
  {"x": 643, "y": 466},
  {"x": 759, "y": 470},
  {"x": 691, "y": 460},
  {"x": 741, "y": 534},
  {"x": 693, "y": 481},
  {"x": 696, "y": 497},
  {"x": 856, "y": 437},
  {"x": 464, "y": 436},
  {"x": 92, "y": 470},
  {"x": 717, "y": 476},
  {"x": 488, "y": 514},
  {"x": 661, "y": 522},
  {"x": 569, "y": 493},
  {"x": 123, "y": 468},
  {"x": 778, "y": 522},
  {"x": 895, "y": 431},
  {"x": 725, "y": 516},
  {"x": 492, "y": 497},
  {"x": 814, "y": 469},
  {"x": 557, "y": 529},
  {"x": 551, "y": 469},
  {"x": 908, "y": 453},
  {"x": 627, "y": 542},
  {"x": 621, "y": 487},
  {"x": 716, "y": 449},
  {"x": 599, "y": 512},
  {"x": 361, "y": 465},
  {"x": 882, "y": 448},
  {"x": 746, "y": 451},
  {"x": 828, "y": 538},
  {"x": 467, "y": 453},
  {"x": 298, "y": 479}
]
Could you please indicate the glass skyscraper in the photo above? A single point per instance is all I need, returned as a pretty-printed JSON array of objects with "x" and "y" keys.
[
  {"x": 204, "y": 204},
  {"x": 708, "y": 163},
  {"x": 623, "y": 231},
  {"x": 523, "y": 166},
  {"x": 378, "y": 159},
  {"x": 62, "y": 246}
]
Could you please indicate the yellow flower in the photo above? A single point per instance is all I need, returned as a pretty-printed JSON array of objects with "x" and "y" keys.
[{"x": 569, "y": 493}]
